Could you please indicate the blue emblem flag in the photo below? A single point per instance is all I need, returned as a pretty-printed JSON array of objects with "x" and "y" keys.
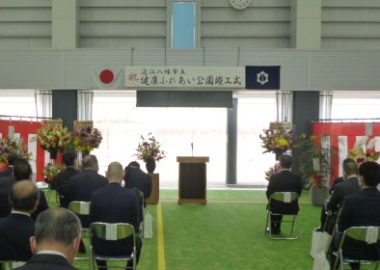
[{"x": 262, "y": 77}]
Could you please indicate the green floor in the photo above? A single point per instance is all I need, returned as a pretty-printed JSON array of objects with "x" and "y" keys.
[{"x": 227, "y": 233}]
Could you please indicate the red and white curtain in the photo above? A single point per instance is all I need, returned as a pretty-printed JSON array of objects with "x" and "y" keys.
[
  {"x": 342, "y": 137},
  {"x": 27, "y": 130}
]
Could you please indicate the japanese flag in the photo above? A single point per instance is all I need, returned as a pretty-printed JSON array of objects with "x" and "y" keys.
[{"x": 103, "y": 77}]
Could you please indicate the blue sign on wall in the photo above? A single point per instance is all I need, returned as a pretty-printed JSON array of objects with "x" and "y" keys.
[{"x": 262, "y": 77}]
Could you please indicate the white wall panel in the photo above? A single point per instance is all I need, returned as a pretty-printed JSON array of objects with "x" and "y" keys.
[
  {"x": 351, "y": 24},
  {"x": 25, "y": 24},
  {"x": 257, "y": 42},
  {"x": 225, "y": 27},
  {"x": 300, "y": 69},
  {"x": 125, "y": 43},
  {"x": 121, "y": 24}
]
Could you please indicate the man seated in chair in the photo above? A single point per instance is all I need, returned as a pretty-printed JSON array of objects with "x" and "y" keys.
[
  {"x": 136, "y": 178},
  {"x": 18, "y": 227},
  {"x": 81, "y": 186},
  {"x": 284, "y": 181},
  {"x": 70, "y": 160},
  {"x": 349, "y": 185},
  {"x": 361, "y": 209},
  {"x": 115, "y": 204},
  {"x": 21, "y": 171},
  {"x": 55, "y": 242}
]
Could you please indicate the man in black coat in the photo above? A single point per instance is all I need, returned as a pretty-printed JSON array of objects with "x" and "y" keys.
[
  {"x": 69, "y": 159},
  {"x": 18, "y": 227},
  {"x": 55, "y": 242},
  {"x": 284, "y": 181},
  {"x": 362, "y": 209},
  {"x": 21, "y": 171},
  {"x": 81, "y": 186},
  {"x": 136, "y": 178},
  {"x": 349, "y": 185},
  {"x": 12, "y": 158},
  {"x": 115, "y": 204}
]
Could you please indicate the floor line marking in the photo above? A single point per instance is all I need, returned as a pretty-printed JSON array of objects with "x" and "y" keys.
[{"x": 160, "y": 239}]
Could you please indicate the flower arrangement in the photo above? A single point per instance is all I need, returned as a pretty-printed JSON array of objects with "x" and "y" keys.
[
  {"x": 53, "y": 138},
  {"x": 149, "y": 148},
  {"x": 364, "y": 150},
  {"x": 275, "y": 169},
  {"x": 313, "y": 161},
  {"x": 277, "y": 139},
  {"x": 87, "y": 138},
  {"x": 14, "y": 146},
  {"x": 51, "y": 171}
]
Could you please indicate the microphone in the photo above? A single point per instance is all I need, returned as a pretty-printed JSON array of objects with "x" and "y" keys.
[{"x": 192, "y": 149}]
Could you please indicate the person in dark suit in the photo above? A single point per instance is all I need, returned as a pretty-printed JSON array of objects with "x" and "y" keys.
[
  {"x": 81, "y": 186},
  {"x": 284, "y": 181},
  {"x": 18, "y": 227},
  {"x": 12, "y": 158},
  {"x": 361, "y": 209},
  {"x": 136, "y": 178},
  {"x": 348, "y": 186},
  {"x": 21, "y": 171},
  {"x": 55, "y": 242},
  {"x": 115, "y": 204},
  {"x": 69, "y": 159},
  {"x": 341, "y": 178},
  {"x": 341, "y": 190},
  {"x": 6, "y": 178}
]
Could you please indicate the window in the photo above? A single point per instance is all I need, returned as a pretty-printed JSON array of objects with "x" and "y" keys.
[
  {"x": 17, "y": 103},
  {"x": 358, "y": 104},
  {"x": 255, "y": 112},
  {"x": 174, "y": 128},
  {"x": 183, "y": 25}
]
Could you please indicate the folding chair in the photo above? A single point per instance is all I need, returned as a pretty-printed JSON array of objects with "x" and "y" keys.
[
  {"x": 8, "y": 265},
  {"x": 285, "y": 198},
  {"x": 367, "y": 235},
  {"x": 81, "y": 208},
  {"x": 141, "y": 205},
  {"x": 113, "y": 232},
  {"x": 330, "y": 222}
]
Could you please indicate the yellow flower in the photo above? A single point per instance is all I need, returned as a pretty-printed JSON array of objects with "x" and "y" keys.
[{"x": 283, "y": 142}]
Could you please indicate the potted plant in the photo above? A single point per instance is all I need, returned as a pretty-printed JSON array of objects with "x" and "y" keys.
[
  {"x": 54, "y": 139},
  {"x": 313, "y": 163},
  {"x": 51, "y": 171},
  {"x": 149, "y": 151},
  {"x": 277, "y": 139},
  {"x": 364, "y": 150},
  {"x": 86, "y": 139}
]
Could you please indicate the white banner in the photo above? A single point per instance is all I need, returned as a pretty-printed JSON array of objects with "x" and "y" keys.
[
  {"x": 32, "y": 148},
  {"x": 185, "y": 77}
]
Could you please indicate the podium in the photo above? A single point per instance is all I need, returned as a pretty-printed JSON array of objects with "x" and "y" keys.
[
  {"x": 192, "y": 180},
  {"x": 155, "y": 195}
]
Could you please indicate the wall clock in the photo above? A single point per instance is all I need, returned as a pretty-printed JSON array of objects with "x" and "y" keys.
[{"x": 240, "y": 4}]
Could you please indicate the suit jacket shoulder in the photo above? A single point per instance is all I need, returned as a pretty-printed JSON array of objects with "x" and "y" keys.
[
  {"x": 47, "y": 262},
  {"x": 361, "y": 209},
  {"x": 6, "y": 181},
  {"x": 15, "y": 231}
]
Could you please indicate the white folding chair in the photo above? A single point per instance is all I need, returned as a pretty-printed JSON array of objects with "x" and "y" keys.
[
  {"x": 365, "y": 234},
  {"x": 81, "y": 208},
  {"x": 8, "y": 265},
  {"x": 285, "y": 198},
  {"x": 113, "y": 232}
]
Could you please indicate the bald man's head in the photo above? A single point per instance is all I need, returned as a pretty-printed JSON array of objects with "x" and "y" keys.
[
  {"x": 24, "y": 196},
  {"x": 115, "y": 171}
]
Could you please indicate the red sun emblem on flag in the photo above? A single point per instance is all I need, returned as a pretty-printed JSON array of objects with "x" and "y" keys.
[{"x": 106, "y": 76}]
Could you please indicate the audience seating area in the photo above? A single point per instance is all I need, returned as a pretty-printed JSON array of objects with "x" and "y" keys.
[{"x": 227, "y": 233}]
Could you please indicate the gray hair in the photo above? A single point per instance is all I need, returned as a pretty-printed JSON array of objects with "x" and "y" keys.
[{"x": 58, "y": 225}]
